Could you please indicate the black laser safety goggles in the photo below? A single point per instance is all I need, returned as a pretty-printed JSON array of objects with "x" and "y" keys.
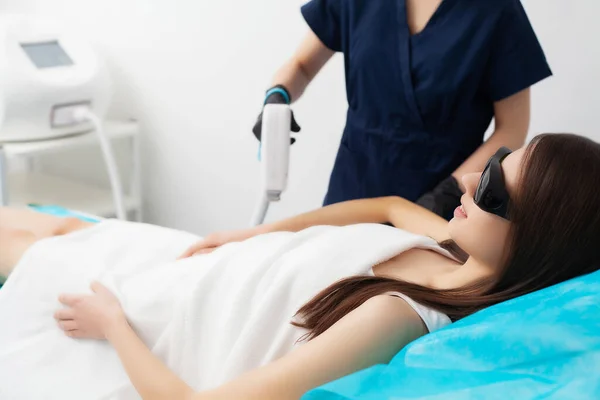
[{"x": 491, "y": 195}]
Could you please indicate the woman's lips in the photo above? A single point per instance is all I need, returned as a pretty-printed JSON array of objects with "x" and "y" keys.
[{"x": 460, "y": 212}]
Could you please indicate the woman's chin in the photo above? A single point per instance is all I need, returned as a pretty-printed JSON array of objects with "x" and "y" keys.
[{"x": 456, "y": 226}]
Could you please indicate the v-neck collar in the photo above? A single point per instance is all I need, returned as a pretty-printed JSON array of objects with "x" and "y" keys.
[{"x": 431, "y": 22}]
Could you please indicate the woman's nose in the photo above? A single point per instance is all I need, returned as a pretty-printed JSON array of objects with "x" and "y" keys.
[{"x": 470, "y": 182}]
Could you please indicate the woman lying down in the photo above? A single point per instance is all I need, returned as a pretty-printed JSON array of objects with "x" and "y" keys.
[{"x": 271, "y": 313}]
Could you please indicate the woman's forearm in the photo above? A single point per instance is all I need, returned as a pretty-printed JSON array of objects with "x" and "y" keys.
[
  {"x": 349, "y": 212},
  {"x": 303, "y": 66},
  {"x": 476, "y": 162},
  {"x": 292, "y": 76},
  {"x": 150, "y": 377},
  {"x": 512, "y": 116}
]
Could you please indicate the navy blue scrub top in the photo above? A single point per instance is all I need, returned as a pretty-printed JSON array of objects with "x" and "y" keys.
[{"x": 419, "y": 105}]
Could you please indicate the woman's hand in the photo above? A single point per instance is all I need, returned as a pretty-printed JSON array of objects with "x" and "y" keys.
[
  {"x": 90, "y": 316},
  {"x": 216, "y": 240}
]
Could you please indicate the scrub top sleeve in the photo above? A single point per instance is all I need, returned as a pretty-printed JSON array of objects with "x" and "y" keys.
[
  {"x": 324, "y": 19},
  {"x": 518, "y": 60}
]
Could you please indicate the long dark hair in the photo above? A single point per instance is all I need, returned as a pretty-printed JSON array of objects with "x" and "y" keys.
[{"x": 554, "y": 236}]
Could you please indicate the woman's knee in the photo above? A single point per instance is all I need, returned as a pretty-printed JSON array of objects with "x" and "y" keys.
[
  {"x": 68, "y": 225},
  {"x": 13, "y": 244}
]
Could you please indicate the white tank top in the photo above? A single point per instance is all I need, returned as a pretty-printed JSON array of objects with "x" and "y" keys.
[{"x": 432, "y": 319}]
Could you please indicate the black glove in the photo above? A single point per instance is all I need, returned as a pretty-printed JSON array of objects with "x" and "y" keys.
[
  {"x": 443, "y": 199},
  {"x": 274, "y": 96}
]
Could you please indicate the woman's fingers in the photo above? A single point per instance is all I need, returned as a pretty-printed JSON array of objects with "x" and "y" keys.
[
  {"x": 191, "y": 250},
  {"x": 213, "y": 241},
  {"x": 187, "y": 253},
  {"x": 68, "y": 325},
  {"x": 76, "y": 334},
  {"x": 64, "y": 314},
  {"x": 197, "y": 248},
  {"x": 99, "y": 288},
  {"x": 205, "y": 251},
  {"x": 70, "y": 299}
]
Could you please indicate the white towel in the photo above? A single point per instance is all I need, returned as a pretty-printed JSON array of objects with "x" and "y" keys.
[{"x": 209, "y": 318}]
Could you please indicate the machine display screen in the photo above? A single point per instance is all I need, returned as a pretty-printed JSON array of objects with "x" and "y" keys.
[{"x": 47, "y": 54}]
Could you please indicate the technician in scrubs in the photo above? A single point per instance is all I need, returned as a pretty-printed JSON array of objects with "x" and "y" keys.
[{"x": 424, "y": 79}]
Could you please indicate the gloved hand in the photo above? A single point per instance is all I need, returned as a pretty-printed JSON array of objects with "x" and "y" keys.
[
  {"x": 443, "y": 199},
  {"x": 276, "y": 95}
]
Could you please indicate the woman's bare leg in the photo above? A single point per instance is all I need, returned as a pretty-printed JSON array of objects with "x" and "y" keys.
[
  {"x": 20, "y": 228},
  {"x": 42, "y": 225},
  {"x": 13, "y": 244}
]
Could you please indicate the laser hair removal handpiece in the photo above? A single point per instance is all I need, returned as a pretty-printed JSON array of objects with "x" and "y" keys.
[{"x": 274, "y": 156}]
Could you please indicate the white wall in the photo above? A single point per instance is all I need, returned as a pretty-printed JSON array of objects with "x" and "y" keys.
[
  {"x": 194, "y": 73},
  {"x": 570, "y": 34}
]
